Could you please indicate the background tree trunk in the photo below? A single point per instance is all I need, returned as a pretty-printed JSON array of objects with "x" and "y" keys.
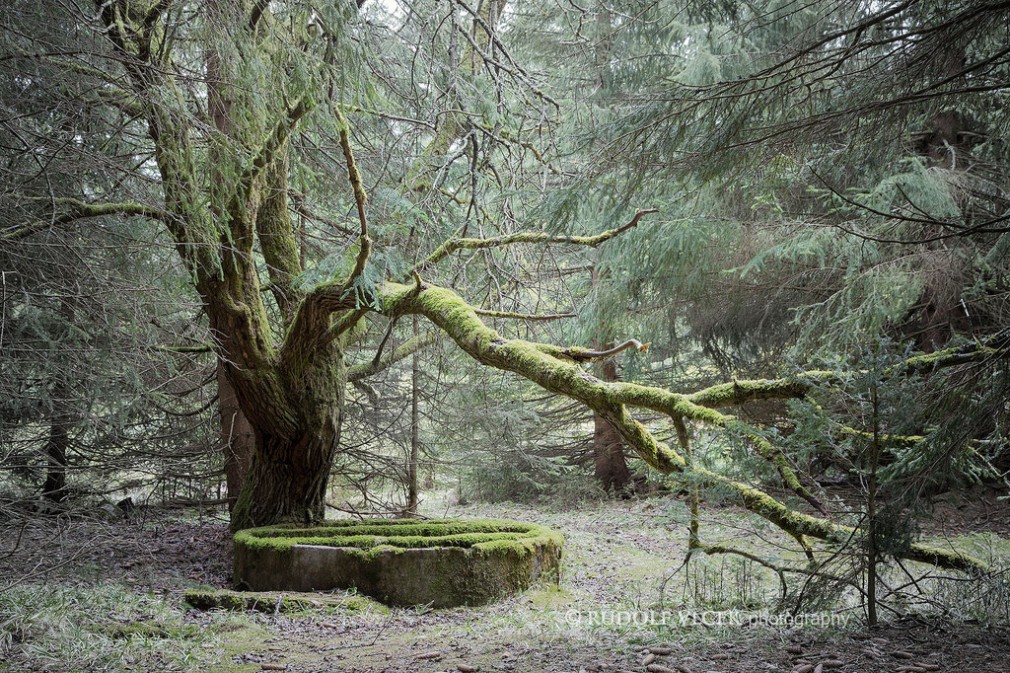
[
  {"x": 55, "y": 487},
  {"x": 611, "y": 467},
  {"x": 60, "y": 424},
  {"x": 415, "y": 431}
]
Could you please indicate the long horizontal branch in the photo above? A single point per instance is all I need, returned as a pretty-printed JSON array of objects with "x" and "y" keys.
[
  {"x": 532, "y": 317},
  {"x": 737, "y": 393},
  {"x": 579, "y": 354},
  {"x": 798, "y": 385},
  {"x": 79, "y": 210},
  {"x": 547, "y": 367},
  {"x": 198, "y": 348},
  {"x": 542, "y": 238}
]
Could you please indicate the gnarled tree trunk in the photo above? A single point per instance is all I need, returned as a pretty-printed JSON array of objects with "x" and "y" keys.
[
  {"x": 293, "y": 402},
  {"x": 287, "y": 480}
]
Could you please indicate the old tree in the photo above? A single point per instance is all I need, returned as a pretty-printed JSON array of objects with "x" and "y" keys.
[{"x": 324, "y": 169}]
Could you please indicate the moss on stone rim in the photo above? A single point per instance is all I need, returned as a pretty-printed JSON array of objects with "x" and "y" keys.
[{"x": 481, "y": 534}]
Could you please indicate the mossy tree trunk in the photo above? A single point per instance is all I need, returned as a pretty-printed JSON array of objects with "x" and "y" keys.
[
  {"x": 291, "y": 393},
  {"x": 225, "y": 210}
]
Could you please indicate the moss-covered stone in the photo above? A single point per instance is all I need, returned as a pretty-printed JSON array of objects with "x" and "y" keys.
[
  {"x": 442, "y": 562},
  {"x": 276, "y": 601},
  {"x": 148, "y": 630}
]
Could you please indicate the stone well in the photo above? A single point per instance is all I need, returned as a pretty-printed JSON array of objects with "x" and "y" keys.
[{"x": 442, "y": 562}]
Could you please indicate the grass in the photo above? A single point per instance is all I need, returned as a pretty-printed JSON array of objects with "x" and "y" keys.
[{"x": 106, "y": 628}]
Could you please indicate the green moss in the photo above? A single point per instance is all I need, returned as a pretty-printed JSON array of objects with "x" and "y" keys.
[
  {"x": 149, "y": 630},
  {"x": 486, "y": 535},
  {"x": 243, "y": 506},
  {"x": 275, "y": 601},
  {"x": 550, "y": 597}
]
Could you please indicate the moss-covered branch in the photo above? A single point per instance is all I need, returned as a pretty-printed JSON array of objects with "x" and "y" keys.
[
  {"x": 199, "y": 348},
  {"x": 565, "y": 376},
  {"x": 538, "y": 237},
  {"x": 737, "y": 393},
  {"x": 360, "y": 198},
  {"x": 276, "y": 140},
  {"x": 277, "y": 236},
  {"x": 74, "y": 210},
  {"x": 546, "y": 366},
  {"x": 531, "y": 317},
  {"x": 995, "y": 345}
]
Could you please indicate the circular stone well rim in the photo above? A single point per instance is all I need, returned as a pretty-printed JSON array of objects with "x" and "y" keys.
[{"x": 443, "y": 562}]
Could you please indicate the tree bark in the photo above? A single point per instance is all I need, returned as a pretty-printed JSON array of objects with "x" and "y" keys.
[
  {"x": 293, "y": 404},
  {"x": 237, "y": 438},
  {"x": 55, "y": 487},
  {"x": 60, "y": 424},
  {"x": 872, "y": 555},
  {"x": 293, "y": 399},
  {"x": 611, "y": 467},
  {"x": 287, "y": 481},
  {"x": 415, "y": 431}
]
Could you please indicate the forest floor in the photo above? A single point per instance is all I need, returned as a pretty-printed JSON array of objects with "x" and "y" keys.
[{"x": 96, "y": 595}]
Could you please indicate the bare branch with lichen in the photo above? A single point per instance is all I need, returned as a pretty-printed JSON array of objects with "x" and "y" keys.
[
  {"x": 360, "y": 198},
  {"x": 533, "y": 317},
  {"x": 75, "y": 209},
  {"x": 542, "y": 238}
]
